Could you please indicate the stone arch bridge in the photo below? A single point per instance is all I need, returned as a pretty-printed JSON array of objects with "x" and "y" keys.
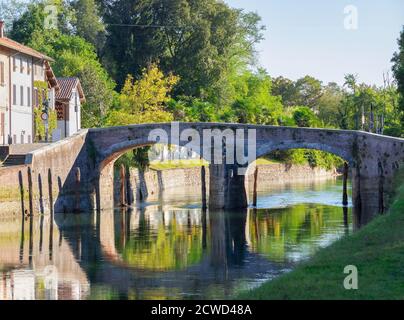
[{"x": 82, "y": 165}]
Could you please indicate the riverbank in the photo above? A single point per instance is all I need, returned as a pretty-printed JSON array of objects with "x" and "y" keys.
[{"x": 377, "y": 251}]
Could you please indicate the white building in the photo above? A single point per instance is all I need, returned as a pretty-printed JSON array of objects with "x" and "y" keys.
[
  {"x": 68, "y": 106},
  {"x": 20, "y": 67}
]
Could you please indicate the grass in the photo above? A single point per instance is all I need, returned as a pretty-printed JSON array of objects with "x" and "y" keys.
[
  {"x": 377, "y": 250},
  {"x": 177, "y": 164},
  {"x": 192, "y": 163},
  {"x": 266, "y": 162}
]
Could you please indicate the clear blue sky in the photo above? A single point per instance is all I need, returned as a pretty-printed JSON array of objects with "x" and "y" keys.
[{"x": 309, "y": 37}]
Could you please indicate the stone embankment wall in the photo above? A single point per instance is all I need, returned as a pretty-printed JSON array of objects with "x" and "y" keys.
[
  {"x": 51, "y": 168},
  {"x": 151, "y": 185}
]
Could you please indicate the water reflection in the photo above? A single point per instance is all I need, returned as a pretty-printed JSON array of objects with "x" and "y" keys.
[{"x": 175, "y": 251}]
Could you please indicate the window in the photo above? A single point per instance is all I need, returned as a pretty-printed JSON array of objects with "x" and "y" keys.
[
  {"x": 14, "y": 94},
  {"x": 2, "y": 73},
  {"x": 28, "y": 96},
  {"x": 14, "y": 64},
  {"x": 21, "y": 65},
  {"x": 28, "y": 68},
  {"x": 21, "y": 95}
]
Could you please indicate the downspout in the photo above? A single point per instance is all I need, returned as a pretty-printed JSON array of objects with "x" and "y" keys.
[
  {"x": 10, "y": 102},
  {"x": 32, "y": 101}
]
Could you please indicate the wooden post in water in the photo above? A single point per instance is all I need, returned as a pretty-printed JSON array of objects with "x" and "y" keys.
[
  {"x": 77, "y": 177},
  {"x": 345, "y": 183},
  {"x": 203, "y": 183},
  {"x": 31, "y": 209},
  {"x": 122, "y": 186},
  {"x": 255, "y": 186},
  {"x": 51, "y": 215}
]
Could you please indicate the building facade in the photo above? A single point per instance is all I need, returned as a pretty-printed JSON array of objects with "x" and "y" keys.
[
  {"x": 68, "y": 107},
  {"x": 20, "y": 68}
]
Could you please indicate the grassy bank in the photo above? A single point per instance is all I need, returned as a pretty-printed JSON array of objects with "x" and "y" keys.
[
  {"x": 377, "y": 250},
  {"x": 192, "y": 163}
]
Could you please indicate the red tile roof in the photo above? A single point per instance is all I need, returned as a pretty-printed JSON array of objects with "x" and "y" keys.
[
  {"x": 66, "y": 89},
  {"x": 14, "y": 45}
]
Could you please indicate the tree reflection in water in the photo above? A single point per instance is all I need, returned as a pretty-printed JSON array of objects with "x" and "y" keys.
[{"x": 160, "y": 251}]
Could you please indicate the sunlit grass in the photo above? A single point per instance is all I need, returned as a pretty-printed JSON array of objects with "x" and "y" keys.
[
  {"x": 377, "y": 250},
  {"x": 192, "y": 163},
  {"x": 177, "y": 164}
]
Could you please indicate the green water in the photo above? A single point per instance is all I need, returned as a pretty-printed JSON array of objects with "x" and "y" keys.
[{"x": 170, "y": 250}]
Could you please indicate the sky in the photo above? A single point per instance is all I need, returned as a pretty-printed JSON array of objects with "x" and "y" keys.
[{"x": 309, "y": 37}]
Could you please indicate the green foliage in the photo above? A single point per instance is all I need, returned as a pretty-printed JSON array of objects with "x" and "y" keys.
[
  {"x": 314, "y": 158},
  {"x": 76, "y": 57},
  {"x": 31, "y": 21},
  {"x": 305, "y": 117},
  {"x": 88, "y": 24},
  {"x": 398, "y": 70},
  {"x": 144, "y": 100},
  {"x": 205, "y": 41},
  {"x": 40, "y": 132},
  {"x": 253, "y": 101}
]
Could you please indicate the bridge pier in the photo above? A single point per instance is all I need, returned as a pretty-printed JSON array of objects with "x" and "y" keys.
[
  {"x": 226, "y": 187},
  {"x": 105, "y": 188}
]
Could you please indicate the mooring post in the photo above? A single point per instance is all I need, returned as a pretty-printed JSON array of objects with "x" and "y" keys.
[
  {"x": 77, "y": 177},
  {"x": 255, "y": 186},
  {"x": 122, "y": 186},
  {"x": 51, "y": 215},
  {"x": 345, "y": 185},
  {"x": 203, "y": 183},
  {"x": 31, "y": 210}
]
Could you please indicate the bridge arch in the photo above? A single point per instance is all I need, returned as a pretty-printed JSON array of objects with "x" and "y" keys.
[{"x": 266, "y": 148}]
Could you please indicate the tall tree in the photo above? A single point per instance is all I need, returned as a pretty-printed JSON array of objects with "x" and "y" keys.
[
  {"x": 197, "y": 40},
  {"x": 32, "y": 20},
  {"x": 309, "y": 91},
  {"x": 398, "y": 70},
  {"x": 88, "y": 23}
]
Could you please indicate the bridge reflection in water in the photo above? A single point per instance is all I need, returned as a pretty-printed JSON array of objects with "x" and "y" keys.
[{"x": 163, "y": 251}]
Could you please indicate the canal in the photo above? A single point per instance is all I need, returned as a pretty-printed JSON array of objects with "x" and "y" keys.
[{"x": 170, "y": 249}]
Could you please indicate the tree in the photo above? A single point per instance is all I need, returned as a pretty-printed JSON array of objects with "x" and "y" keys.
[
  {"x": 144, "y": 100},
  {"x": 329, "y": 104},
  {"x": 309, "y": 91},
  {"x": 254, "y": 102},
  {"x": 285, "y": 88},
  {"x": 200, "y": 41},
  {"x": 77, "y": 58},
  {"x": 305, "y": 117},
  {"x": 88, "y": 23},
  {"x": 398, "y": 71},
  {"x": 305, "y": 91},
  {"x": 32, "y": 20},
  {"x": 11, "y": 10}
]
